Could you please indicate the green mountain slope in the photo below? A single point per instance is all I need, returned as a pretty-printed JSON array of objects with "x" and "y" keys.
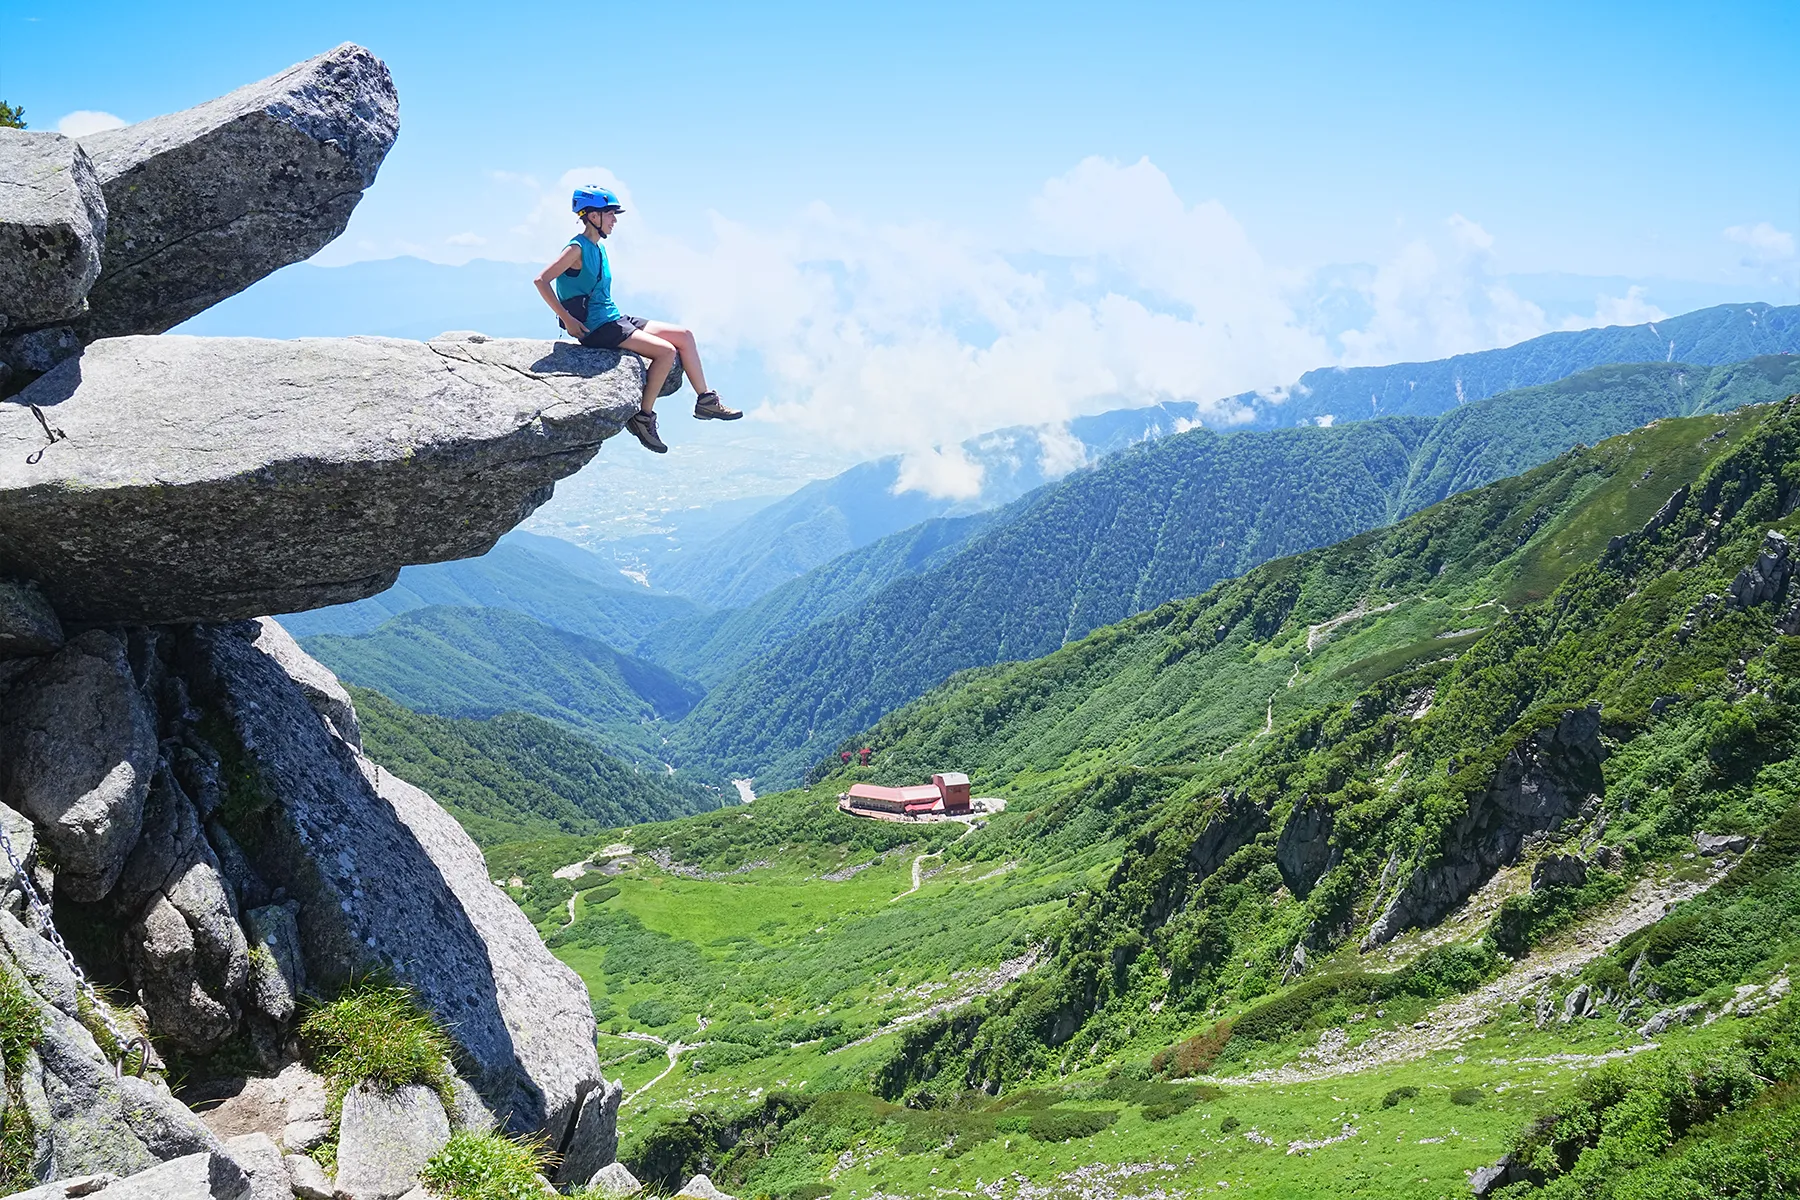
[
  {"x": 1167, "y": 519},
  {"x": 567, "y": 588},
  {"x": 1243, "y": 743},
  {"x": 480, "y": 662},
  {"x": 1345, "y": 878},
  {"x": 1340, "y": 785},
  {"x": 711, "y": 646},
  {"x": 515, "y": 776}
]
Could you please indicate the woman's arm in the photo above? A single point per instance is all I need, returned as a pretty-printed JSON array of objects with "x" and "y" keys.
[{"x": 570, "y": 257}]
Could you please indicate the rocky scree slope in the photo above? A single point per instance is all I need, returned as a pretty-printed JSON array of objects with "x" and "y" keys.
[{"x": 184, "y": 790}]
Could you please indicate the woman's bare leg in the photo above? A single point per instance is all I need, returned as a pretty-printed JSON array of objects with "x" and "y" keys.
[
  {"x": 683, "y": 340},
  {"x": 661, "y": 354}
]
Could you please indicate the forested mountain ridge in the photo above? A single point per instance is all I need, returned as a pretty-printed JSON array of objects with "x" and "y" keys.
[
  {"x": 1480, "y": 443},
  {"x": 556, "y": 583},
  {"x": 847, "y": 511},
  {"x": 1726, "y": 333},
  {"x": 711, "y": 646},
  {"x": 1583, "y": 668},
  {"x": 480, "y": 662},
  {"x": 1165, "y": 519},
  {"x": 515, "y": 776},
  {"x": 1198, "y": 677},
  {"x": 1081, "y": 554}
]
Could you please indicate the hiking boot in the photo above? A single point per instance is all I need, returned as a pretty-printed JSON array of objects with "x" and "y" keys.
[
  {"x": 643, "y": 427},
  {"x": 708, "y": 408}
]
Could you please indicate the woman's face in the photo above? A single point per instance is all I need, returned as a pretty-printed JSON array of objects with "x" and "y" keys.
[{"x": 606, "y": 220}]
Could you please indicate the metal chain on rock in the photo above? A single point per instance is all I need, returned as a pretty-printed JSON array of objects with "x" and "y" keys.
[
  {"x": 54, "y": 435},
  {"x": 40, "y": 915}
]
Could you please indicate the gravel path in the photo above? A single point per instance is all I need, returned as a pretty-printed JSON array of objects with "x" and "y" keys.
[{"x": 1451, "y": 1023}]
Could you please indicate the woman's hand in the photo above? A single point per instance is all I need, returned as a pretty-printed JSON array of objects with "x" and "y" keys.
[{"x": 576, "y": 329}]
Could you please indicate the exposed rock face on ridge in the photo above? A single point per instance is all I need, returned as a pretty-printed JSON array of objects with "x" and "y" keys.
[
  {"x": 1540, "y": 784},
  {"x": 210, "y": 479},
  {"x": 386, "y": 880},
  {"x": 89, "y": 1120},
  {"x": 80, "y": 744},
  {"x": 52, "y": 225},
  {"x": 204, "y": 202}
]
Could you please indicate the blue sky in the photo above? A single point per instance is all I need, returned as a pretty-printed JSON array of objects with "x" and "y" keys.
[
  {"x": 925, "y": 220},
  {"x": 1611, "y": 139}
]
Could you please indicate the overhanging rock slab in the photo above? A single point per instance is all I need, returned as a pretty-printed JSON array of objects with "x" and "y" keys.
[
  {"x": 52, "y": 224},
  {"x": 211, "y": 479},
  {"x": 204, "y": 202}
]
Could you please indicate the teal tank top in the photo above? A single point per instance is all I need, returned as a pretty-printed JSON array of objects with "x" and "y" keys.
[{"x": 593, "y": 280}]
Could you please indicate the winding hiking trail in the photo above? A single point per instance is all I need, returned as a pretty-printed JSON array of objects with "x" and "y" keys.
[
  {"x": 918, "y": 877},
  {"x": 1448, "y": 1025},
  {"x": 672, "y": 1048}
]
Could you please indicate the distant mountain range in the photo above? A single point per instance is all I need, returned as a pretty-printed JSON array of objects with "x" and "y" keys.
[
  {"x": 554, "y": 581},
  {"x": 731, "y": 565},
  {"x": 827, "y": 518},
  {"x": 1165, "y": 520}
]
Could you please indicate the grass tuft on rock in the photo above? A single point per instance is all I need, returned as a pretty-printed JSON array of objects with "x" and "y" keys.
[
  {"x": 21, "y": 1025},
  {"x": 99, "y": 1014},
  {"x": 378, "y": 1034},
  {"x": 486, "y": 1166}
]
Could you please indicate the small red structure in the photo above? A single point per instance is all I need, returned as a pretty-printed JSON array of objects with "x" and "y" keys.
[
  {"x": 844, "y": 758},
  {"x": 946, "y": 795},
  {"x": 864, "y": 754}
]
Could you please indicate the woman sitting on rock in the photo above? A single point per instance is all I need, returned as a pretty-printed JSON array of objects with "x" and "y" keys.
[{"x": 578, "y": 289}]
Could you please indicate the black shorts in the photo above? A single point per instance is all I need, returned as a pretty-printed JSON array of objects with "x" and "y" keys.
[{"x": 610, "y": 335}]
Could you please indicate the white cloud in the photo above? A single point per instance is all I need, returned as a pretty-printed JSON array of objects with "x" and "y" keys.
[
  {"x": 1629, "y": 309},
  {"x": 1059, "y": 451},
  {"x": 1440, "y": 296},
  {"x": 1768, "y": 242},
  {"x": 467, "y": 238},
  {"x": 1113, "y": 291},
  {"x": 946, "y": 472},
  {"x": 83, "y": 122}
]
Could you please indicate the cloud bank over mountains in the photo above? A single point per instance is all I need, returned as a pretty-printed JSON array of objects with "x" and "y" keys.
[{"x": 1108, "y": 290}]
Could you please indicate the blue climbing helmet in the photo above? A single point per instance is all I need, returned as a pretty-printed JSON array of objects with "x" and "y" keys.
[{"x": 595, "y": 197}]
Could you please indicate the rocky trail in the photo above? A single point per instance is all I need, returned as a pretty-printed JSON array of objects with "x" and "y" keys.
[
  {"x": 1449, "y": 1025},
  {"x": 988, "y": 983},
  {"x": 673, "y": 1048},
  {"x": 918, "y": 876},
  {"x": 1316, "y": 634}
]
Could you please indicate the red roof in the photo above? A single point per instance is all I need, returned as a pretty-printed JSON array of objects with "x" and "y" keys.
[{"x": 920, "y": 793}]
